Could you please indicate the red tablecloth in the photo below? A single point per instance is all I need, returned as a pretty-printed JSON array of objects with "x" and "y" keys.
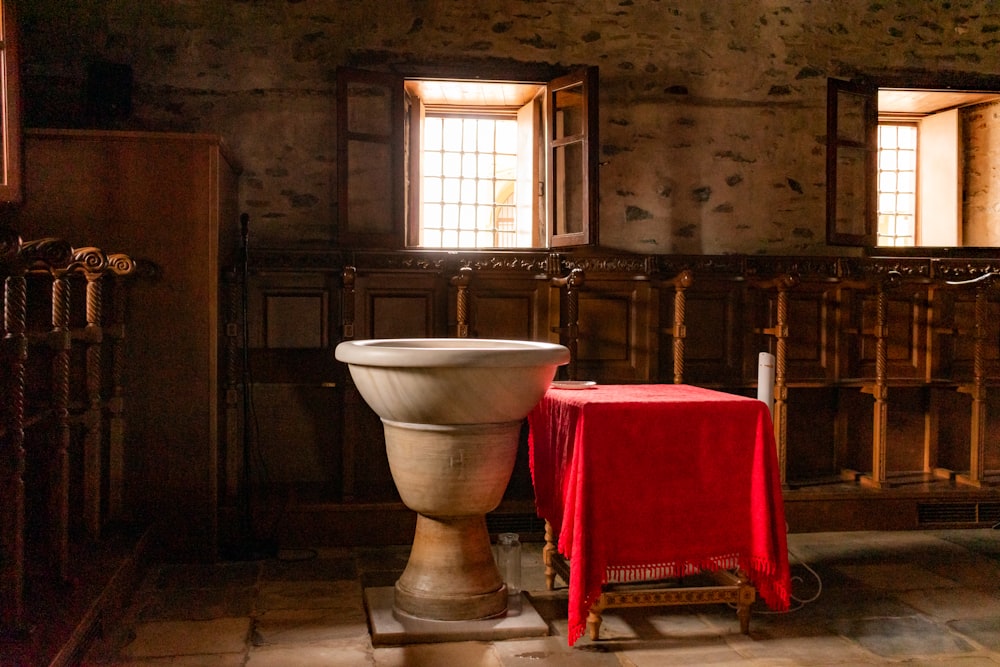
[{"x": 653, "y": 481}]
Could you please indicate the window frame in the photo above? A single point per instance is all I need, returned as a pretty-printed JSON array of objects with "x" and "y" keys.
[
  {"x": 865, "y": 87},
  {"x": 11, "y": 159},
  {"x": 404, "y": 115}
]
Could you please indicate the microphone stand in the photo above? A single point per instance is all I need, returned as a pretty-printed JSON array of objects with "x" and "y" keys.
[{"x": 249, "y": 547}]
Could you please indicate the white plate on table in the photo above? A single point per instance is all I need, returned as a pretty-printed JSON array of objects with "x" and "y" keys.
[{"x": 573, "y": 384}]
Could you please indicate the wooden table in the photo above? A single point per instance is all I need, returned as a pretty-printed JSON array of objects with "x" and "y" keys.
[{"x": 643, "y": 483}]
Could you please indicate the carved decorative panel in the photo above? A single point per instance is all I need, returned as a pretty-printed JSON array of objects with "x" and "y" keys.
[{"x": 615, "y": 334}]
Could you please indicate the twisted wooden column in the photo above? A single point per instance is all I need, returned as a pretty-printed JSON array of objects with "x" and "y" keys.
[
  {"x": 114, "y": 331},
  {"x": 569, "y": 329},
  {"x": 782, "y": 284},
  {"x": 12, "y": 457},
  {"x": 57, "y": 527},
  {"x": 93, "y": 263},
  {"x": 461, "y": 283},
  {"x": 681, "y": 282},
  {"x": 977, "y": 445},
  {"x": 19, "y": 258},
  {"x": 880, "y": 390}
]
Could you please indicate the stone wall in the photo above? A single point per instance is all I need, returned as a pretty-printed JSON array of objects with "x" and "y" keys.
[{"x": 712, "y": 113}]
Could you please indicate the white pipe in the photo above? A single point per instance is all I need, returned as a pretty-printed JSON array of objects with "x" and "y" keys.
[{"x": 765, "y": 379}]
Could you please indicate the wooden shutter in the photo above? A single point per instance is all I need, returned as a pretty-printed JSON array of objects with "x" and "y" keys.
[
  {"x": 851, "y": 163},
  {"x": 370, "y": 146},
  {"x": 572, "y": 188}
]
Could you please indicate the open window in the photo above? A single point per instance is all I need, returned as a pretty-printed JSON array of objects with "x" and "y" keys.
[
  {"x": 911, "y": 163},
  {"x": 466, "y": 164}
]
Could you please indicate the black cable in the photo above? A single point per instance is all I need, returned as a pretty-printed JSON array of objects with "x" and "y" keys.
[
  {"x": 250, "y": 547},
  {"x": 246, "y": 521}
]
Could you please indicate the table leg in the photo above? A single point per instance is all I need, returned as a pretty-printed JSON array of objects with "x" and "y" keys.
[
  {"x": 548, "y": 553},
  {"x": 745, "y": 598},
  {"x": 594, "y": 618}
]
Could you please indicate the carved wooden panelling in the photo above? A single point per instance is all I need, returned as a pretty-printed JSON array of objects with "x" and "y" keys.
[
  {"x": 400, "y": 315},
  {"x": 288, "y": 310},
  {"x": 811, "y": 418},
  {"x": 615, "y": 333},
  {"x": 503, "y": 316},
  {"x": 712, "y": 354},
  {"x": 515, "y": 309},
  {"x": 810, "y": 351},
  {"x": 604, "y": 328},
  {"x": 905, "y": 439},
  {"x": 905, "y": 334},
  {"x": 295, "y": 320},
  {"x": 950, "y": 435},
  {"x": 958, "y": 343},
  {"x": 299, "y": 418},
  {"x": 407, "y": 305}
]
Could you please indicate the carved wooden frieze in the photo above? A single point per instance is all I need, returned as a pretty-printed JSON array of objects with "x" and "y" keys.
[
  {"x": 809, "y": 268},
  {"x": 622, "y": 264},
  {"x": 323, "y": 260},
  {"x": 956, "y": 270},
  {"x": 521, "y": 262},
  {"x": 885, "y": 268},
  {"x": 728, "y": 265}
]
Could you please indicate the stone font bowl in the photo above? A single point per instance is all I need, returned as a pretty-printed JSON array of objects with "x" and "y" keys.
[{"x": 451, "y": 380}]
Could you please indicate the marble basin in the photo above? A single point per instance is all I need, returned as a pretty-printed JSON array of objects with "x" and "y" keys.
[{"x": 452, "y": 410}]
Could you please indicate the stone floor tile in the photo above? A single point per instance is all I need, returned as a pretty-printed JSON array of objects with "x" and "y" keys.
[
  {"x": 862, "y": 546},
  {"x": 658, "y": 654},
  {"x": 325, "y": 654},
  {"x": 213, "y": 660},
  {"x": 306, "y": 626},
  {"x": 907, "y": 637},
  {"x": 984, "y": 542},
  {"x": 198, "y": 604},
  {"x": 295, "y": 554},
  {"x": 948, "y": 604},
  {"x": 799, "y": 646},
  {"x": 448, "y": 654},
  {"x": 677, "y": 624},
  {"x": 309, "y": 595},
  {"x": 309, "y": 569},
  {"x": 895, "y": 576},
  {"x": 983, "y": 631},
  {"x": 208, "y": 575},
  {"x": 170, "y": 638},
  {"x": 374, "y": 559},
  {"x": 553, "y": 652},
  {"x": 838, "y": 603},
  {"x": 960, "y": 661},
  {"x": 975, "y": 571}
]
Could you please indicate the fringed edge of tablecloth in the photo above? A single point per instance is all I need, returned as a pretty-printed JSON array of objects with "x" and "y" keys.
[{"x": 762, "y": 573}]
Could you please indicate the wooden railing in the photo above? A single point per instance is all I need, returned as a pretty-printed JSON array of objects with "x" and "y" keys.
[{"x": 62, "y": 432}]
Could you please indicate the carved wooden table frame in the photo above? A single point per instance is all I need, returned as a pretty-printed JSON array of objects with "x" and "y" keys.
[{"x": 733, "y": 587}]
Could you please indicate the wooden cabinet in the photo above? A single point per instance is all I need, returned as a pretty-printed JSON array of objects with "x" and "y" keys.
[{"x": 169, "y": 200}]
